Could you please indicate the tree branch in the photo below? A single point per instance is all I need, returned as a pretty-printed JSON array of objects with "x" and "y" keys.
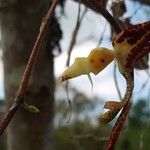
[
  {"x": 75, "y": 33},
  {"x": 27, "y": 73},
  {"x": 96, "y": 6}
]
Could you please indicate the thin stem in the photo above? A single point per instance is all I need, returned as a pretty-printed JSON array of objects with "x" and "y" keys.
[
  {"x": 122, "y": 118},
  {"x": 110, "y": 145},
  {"x": 102, "y": 36},
  {"x": 86, "y": 136},
  {"x": 27, "y": 73},
  {"x": 71, "y": 46},
  {"x": 116, "y": 82},
  {"x": 96, "y": 6},
  {"x": 75, "y": 33}
]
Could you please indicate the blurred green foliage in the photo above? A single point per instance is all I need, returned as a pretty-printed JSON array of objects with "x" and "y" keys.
[
  {"x": 83, "y": 131},
  {"x": 80, "y": 136},
  {"x": 83, "y": 134}
]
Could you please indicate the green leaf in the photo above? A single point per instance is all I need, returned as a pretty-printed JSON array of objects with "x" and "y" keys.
[{"x": 31, "y": 108}]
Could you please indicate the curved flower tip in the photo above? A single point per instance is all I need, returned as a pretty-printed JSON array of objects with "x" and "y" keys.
[
  {"x": 79, "y": 67},
  {"x": 63, "y": 78},
  {"x": 96, "y": 61}
]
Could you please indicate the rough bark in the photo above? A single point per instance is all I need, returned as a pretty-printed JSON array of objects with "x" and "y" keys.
[{"x": 20, "y": 22}]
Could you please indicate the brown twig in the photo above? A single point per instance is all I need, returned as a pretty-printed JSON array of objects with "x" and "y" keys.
[
  {"x": 96, "y": 6},
  {"x": 102, "y": 36},
  {"x": 72, "y": 44},
  {"x": 27, "y": 73},
  {"x": 75, "y": 32}
]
